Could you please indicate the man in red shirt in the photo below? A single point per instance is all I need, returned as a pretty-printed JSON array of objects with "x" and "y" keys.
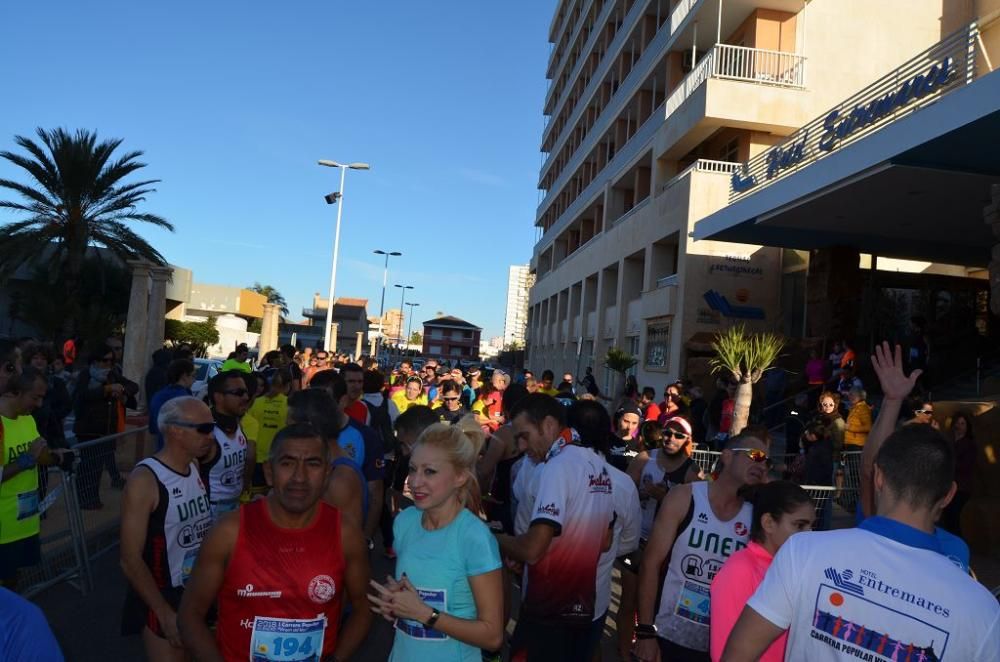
[
  {"x": 354, "y": 377},
  {"x": 647, "y": 402},
  {"x": 278, "y": 568}
]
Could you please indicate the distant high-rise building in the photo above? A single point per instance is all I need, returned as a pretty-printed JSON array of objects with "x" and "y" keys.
[{"x": 519, "y": 282}]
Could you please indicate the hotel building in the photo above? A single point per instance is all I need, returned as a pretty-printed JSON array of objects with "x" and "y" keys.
[
  {"x": 519, "y": 282},
  {"x": 662, "y": 113}
]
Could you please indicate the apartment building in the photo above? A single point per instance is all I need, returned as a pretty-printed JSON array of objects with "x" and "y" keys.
[
  {"x": 452, "y": 338},
  {"x": 653, "y": 105},
  {"x": 519, "y": 282}
]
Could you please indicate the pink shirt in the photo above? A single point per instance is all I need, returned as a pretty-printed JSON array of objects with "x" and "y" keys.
[
  {"x": 739, "y": 577},
  {"x": 816, "y": 371}
]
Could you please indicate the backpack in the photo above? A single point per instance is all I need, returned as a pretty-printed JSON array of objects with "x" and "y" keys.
[{"x": 379, "y": 420}]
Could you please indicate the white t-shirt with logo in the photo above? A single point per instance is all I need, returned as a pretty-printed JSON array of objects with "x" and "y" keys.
[
  {"x": 628, "y": 513},
  {"x": 860, "y": 595}
]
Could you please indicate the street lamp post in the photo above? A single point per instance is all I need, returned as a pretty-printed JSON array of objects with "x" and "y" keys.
[
  {"x": 330, "y": 199},
  {"x": 381, "y": 308},
  {"x": 402, "y": 299},
  {"x": 409, "y": 326}
]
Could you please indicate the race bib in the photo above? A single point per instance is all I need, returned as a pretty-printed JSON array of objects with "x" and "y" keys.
[
  {"x": 287, "y": 639},
  {"x": 27, "y": 505},
  {"x": 435, "y": 598},
  {"x": 187, "y": 564},
  {"x": 693, "y": 603}
]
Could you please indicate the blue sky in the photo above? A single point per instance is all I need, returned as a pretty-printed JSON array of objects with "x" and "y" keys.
[{"x": 233, "y": 103}]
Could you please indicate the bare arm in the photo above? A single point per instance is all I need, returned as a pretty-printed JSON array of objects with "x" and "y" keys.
[
  {"x": 202, "y": 589},
  {"x": 530, "y": 546},
  {"x": 356, "y": 577},
  {"x": 896, "y": 386},
  {"x": 343, "y": 492},
  {"x": 496, "y": 450},
  {"x": 635, "y": 467},
  {"x": 36, "y": 449},
  {"x": 750, "y": 637},
  {"x": 376, "y": 495},
  {"x": 141, "y": 498},
  {"x": 250, "y": 463}
]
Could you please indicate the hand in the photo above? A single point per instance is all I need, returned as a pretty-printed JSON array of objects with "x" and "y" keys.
[
  {"x": 37, "y": 447},
  {"x": 888, "y": 366},
  {"x": 655, "y": 491},
  {"x": 407, "y": 604},
  {"x": 381, "y": 603},
  {"x": 168, "y": 623},
  {"x": 647, "y": 650}
]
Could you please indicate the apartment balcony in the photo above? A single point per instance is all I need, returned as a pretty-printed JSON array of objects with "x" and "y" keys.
[
  {"x": 753, "y": 88},
  {"x": 591, "y": 330},
  {"x": 661, "y": 300},
  {"x": 610, "y": 322}
]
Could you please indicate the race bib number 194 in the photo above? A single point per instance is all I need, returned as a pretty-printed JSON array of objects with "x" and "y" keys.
[{"x": 287, "y": 639}]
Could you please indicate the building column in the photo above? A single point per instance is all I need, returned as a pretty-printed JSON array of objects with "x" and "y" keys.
[
  {"x": 268, "y": 329},
  {"x": 157, "y": 308},
  {"x": 135, "y": 346},
  {"x": 833, "y": 293},
  {"x": 371, "y": 346},
  {"x": 333, "y": 336},
  {"x": 991, "y": 215},
  {"x": 359, "y": 344}
]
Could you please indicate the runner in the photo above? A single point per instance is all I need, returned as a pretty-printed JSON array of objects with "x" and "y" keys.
[
  {"x": 546, "y": 385},
  {"x": 626, "y": 445},
  {"x": 409, "y": 426},
  {"x": 698, "y": 527},
  {"x": 884, "y": 590},
  {"x": 180, "y": 377},
  {"x": 655, "y": 472},
  {"x": 280, "y": 567},
  {"x": 346, "y": 490},
  {"x": 229, "y": 463},
  {"x": 354, "y": 377},
  {"x": 647, "y": 403},
  {"x": 450, "y": 410},
  {"x": 570, "y": 529},
  {"x": 270, "y": 412},
  {"x": 165, "y": 515},
  {"x": 780, "y": 509},
  {"x": 447, "y": 597},
  {"x": 238, "y": 360},
  {"x": 22, "y": 451},
  {"x": 411, "y": 395}
]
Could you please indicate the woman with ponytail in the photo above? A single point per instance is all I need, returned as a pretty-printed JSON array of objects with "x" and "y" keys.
[
  {"x": 447, "y": 597},
  {"x": 780, "y": 509}
]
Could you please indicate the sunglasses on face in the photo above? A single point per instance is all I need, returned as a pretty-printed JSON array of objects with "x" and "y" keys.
[
  {"x": 238, "y": 392},
  {"x": 200, "y": 428},
  {"x": 679, "y": 435},
  {"x": 925, "y": 412},
  {"x": 755, "y": 454},
  {"x": 451, "y": 398}
]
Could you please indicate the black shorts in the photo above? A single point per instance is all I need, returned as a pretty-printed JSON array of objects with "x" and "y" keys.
[
  {"x": 136, "y": 614},
  {"x": 19, "y": 554},
  {"x": 677, "y": 653},
  {"x": 534, "y": 641}
]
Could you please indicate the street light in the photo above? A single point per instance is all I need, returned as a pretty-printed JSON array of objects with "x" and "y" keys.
[
  {"x": 409, "y": 326},
  {"x": 330, "y": 199},
  {"x": 381, "y": 308},
  {"x": 402, "y": 298}
]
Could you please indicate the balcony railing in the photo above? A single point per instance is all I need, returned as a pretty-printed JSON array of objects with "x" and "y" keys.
[
  {"x": 751, "y": 65},
  {"x": 702, "y": 165}
]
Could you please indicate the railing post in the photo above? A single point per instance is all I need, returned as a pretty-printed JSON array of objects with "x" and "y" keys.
[{"x": 979, "y": 376}]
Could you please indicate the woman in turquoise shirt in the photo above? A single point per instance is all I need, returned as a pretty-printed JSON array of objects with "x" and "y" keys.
[{"x": 447, "y": 598}]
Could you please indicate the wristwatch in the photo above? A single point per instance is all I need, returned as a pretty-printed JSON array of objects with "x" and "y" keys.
[
  {"x": 435, "y": 614},
  {"x": 645, "y": 631}
]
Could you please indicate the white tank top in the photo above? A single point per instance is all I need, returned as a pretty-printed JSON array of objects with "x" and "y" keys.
[
  {"x": 652, "y": 474},
  {"x": 225, "y": 472},
  {"x": 698, "y": 553},
  {"x": 180, "y": 521}
]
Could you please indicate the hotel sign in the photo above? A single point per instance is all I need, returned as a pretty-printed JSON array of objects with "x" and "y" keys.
[{"x": 903, "y": 90}]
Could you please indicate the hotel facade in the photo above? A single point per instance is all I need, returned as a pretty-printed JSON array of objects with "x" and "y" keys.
[{"x": 661, "y": 114}]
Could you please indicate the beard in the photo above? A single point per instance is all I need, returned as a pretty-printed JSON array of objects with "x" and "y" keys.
[{"x": 673, "y": 454}]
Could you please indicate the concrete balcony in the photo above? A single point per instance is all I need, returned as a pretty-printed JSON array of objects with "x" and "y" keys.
[
  {"x": 591, "y": 329},
  {"x": 610, "y": 322},
  {"x": 660, "y": 301},
  {"x": 576, "y": 329},
  {"x": 633, "y": 317}
]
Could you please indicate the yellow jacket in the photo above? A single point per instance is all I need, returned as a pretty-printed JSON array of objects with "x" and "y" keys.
[{"x": 859, "y": 424}]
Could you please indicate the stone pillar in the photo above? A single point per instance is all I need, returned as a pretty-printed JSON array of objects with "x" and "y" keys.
[
  {"x": 333, "y": 337},
  {"x": 359, "y": 344},
  {"x": 157, "y": 309},
  {"x": 371, "y": 346},
  {"x": 991, "y": 215},
  {"x": 834, "y": 288},
  {"x": 136, "y": 356},
  {"x": 268, "y": 329}
]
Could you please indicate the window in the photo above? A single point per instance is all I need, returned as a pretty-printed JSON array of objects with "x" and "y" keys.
[
  {"x": 434, "y": 350},
  {"x": 658, "y": 343},
  {"x": 730, "y": 151}
]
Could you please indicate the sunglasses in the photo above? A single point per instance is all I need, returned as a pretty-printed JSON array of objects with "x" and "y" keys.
[
  {"x": 238, "y": 392},
  {"x": 755, "y": 454},
  {"x": 679, "y": 435},
  {"x": 451, "y": 398},
  {"x": 200, "y": 428},
  {"x": 925, "y": 412}
]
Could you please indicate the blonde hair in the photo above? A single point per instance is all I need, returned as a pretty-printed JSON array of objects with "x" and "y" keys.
[{"x": 461, "y": 443}]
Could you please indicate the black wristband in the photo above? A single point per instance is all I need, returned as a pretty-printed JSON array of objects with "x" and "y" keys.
[
  {"x": 432, "y": 621},
  {"x": 646, "y": 628}
]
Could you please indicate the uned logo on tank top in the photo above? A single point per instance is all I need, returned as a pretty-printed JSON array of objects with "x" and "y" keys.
[{"x": 322, "y": 588}]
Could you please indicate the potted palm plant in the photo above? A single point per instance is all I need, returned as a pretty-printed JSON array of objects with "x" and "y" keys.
[
  {"x": 744, "y": 357},
  {"x": 620, "y": 362}
]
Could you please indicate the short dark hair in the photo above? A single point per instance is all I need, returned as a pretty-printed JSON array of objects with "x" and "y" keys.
[
  {"x": 316, "y": 407},
  {"x": 325, "y": 379},
  {"x": 25, "y": 381},
  {"x": 591, "y": 421},
  {"x": 918, "y": 464},
  {"x": 99, "y": 353},
  {"x": 416, "y": 419},
  {"x": 373, "y": 381},
  {"x": 179, "y": 368},
  {"x": 548, "y": 374},
  {"x": 449, "y": 385},
  {"x": 511, "y": 396},
  {"x": 351, "y": 367},
  {"x": 537, "y": 406},
  {"x": 217, "y": 384},
  {"x": 776, "y": 498},
  {"x": 649, "y": 392},
  {"x": 288, "y": 350},
  {"x": 295, "y": 431},
  {"x": 34, "y": 349}
]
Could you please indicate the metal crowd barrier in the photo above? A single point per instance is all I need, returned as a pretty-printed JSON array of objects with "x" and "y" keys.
[{"x": 82, "y": 510}]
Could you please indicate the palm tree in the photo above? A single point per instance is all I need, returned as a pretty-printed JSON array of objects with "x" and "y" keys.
[
  {"x": 272, "y": 295},
  {"x": 744, "y": 357},
  {"x": 77, "y": 199}
]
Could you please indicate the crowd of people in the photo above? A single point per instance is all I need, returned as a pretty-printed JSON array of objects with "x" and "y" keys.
[{"x": 250, "y": 532}]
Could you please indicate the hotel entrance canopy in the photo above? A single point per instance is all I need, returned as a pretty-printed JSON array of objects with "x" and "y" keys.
[{"x": 902, "y": 169}]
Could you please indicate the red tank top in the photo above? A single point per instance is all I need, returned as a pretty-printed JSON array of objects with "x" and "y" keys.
[{"x": 281, "y": 574}]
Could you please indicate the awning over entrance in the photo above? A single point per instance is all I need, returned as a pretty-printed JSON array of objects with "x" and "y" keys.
[{"x": 914, "y": 189}]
